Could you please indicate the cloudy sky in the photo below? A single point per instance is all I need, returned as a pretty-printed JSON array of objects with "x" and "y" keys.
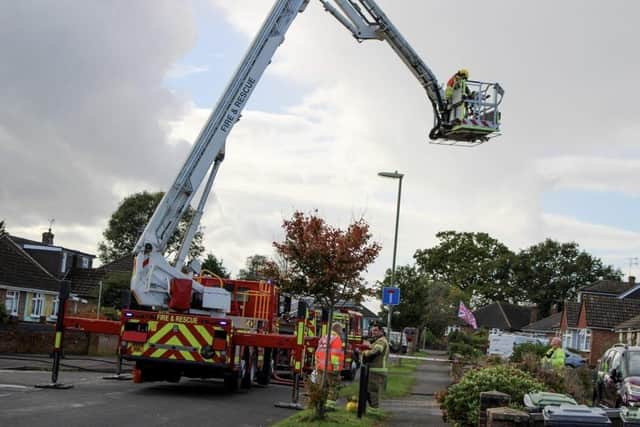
[{"x": 101, "y": 99}]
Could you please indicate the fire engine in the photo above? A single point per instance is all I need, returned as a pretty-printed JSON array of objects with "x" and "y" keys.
[{"x": 185, "y": 323}]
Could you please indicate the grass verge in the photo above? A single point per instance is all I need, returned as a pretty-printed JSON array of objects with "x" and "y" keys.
[{"x": 399, "y": 382}]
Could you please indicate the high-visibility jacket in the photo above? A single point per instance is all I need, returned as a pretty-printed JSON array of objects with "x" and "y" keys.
[
  {"x": 336, "y": 354},
  {"x": 554, "y": 358}
]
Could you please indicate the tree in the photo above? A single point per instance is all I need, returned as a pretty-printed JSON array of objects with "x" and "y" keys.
[
  {"x": 212, "y": 264},
  {"x": 113, "y": 284},
  {"x": 423, "y": 302},
  {"x": 551, "y": 272},
  {"x": 478, "y": 264},
  {"x": 326, "y": 263},
  {"x": 257, "y": 267},
  {"x": 128, "y": 221}
]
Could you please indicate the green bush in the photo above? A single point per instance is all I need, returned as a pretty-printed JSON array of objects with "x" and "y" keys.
[
  {"x": 470, "y": 346},
  {"x": 459, "y": 337},
  {"x": 528, "y": 347},
  {"x": 462, "y": 400}
]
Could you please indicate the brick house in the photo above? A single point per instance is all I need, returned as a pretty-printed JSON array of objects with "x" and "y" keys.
[
  {"x": 28, "y": 291},
  {"x": 596, "y": 323},
  {"x": 31, "y": 273}
]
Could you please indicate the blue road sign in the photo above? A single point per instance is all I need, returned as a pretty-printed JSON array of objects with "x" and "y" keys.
[{"x": 390, "y": 296}]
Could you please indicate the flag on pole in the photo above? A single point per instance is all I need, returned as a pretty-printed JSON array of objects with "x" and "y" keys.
[{"x": 465, "y": 314}]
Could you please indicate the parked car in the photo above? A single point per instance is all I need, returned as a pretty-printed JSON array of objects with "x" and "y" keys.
[
  {"x": 617, "y": 379},
  {"x": 574, "y": 360}
]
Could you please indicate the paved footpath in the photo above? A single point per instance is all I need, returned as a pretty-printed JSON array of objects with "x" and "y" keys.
[{"x": 421, "y": 408}]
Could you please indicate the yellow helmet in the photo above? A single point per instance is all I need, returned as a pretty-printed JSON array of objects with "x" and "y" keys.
[{"x": 464, "y": 73}]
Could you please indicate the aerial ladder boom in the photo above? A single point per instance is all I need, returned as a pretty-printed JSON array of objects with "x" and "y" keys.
[
  {"x": 150, "y": 283},
  {"x": 153, "y": 275},
  {"x": 377, "y": 26}
]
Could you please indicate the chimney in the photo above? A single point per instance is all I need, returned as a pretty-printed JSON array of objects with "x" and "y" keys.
[
  {"x": 533, "y": 317},
  {"x": 47, "y": 237},
  {"x": 632, "y": 280}
]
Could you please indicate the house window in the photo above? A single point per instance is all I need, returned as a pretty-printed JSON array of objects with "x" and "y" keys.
[
  {"x": 566, "y": 341},
  {"x": 12, "y": 299},
  {"x": 63, "y": 266},
  {"x": 85, "y": 262},
  {"x": 54, "y": 308},
  {"x": 37, "y": 303},
  {"x": 584, "y": 340}
]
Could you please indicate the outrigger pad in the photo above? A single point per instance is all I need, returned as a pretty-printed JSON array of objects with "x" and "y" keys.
[{"x": 56, "y": 386}]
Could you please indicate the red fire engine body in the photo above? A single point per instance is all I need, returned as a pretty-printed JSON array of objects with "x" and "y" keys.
[{"x": 237, "y": 345}]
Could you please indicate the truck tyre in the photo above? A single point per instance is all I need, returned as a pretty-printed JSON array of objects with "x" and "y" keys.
[{"x": 263, "y": 376}]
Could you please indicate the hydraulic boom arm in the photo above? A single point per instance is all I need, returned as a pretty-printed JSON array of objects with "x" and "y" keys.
[
  {"x": 152, "y": 276},
  {"x": 365, "y": 20}
]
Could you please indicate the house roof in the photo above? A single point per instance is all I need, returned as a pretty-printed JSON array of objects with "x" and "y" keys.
[
  {"x": 124, "y": 263},
  {"x": 18, "y": 269},
  {"x": 503, "y": 316},
  {"x": 84, "y": 281},
  {"x": 607, "y": 287},
  {"x": 573, "y": 311},
  {"x": 546, "y": 324},
  {"x": 633, "y": 323},
  {"x": 607, "y": 312},
  {"x": 22, "y": 241}
]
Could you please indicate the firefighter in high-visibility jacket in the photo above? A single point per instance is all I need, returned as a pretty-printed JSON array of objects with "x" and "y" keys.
[
  {"x": 336, "y": 360},
  {"x": 376, "y": 356}
]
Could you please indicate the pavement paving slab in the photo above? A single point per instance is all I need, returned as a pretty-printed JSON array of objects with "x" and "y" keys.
[{"x": 421, "y": 407}]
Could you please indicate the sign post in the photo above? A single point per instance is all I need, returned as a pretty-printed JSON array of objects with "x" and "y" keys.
[{"x": 390, "y": 297}]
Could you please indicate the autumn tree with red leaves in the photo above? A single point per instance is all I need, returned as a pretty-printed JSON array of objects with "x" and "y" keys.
[{"x": 326, "y": 263}]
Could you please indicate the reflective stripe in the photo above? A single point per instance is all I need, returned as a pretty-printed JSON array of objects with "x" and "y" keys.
[
  {"x": 300, "y": 333},
  {"x": 58, "y": 339}
]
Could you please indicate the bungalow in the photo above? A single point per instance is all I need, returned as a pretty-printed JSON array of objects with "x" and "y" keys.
[
  {"x": 31, "y": 273},
  {"x": 498, "y": 317},
  {"x": 547, "y": 326},
  {"x": 28, "y": 291}
]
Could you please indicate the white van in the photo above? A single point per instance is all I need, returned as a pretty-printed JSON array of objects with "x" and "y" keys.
[{"x": 502, "y": 344}]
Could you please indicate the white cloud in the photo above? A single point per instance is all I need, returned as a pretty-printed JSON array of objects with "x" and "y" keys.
[
  {"x": 178, "y": 71},
  {"x": 106, "y": 121},
  {"x": 591, "y": 173}
]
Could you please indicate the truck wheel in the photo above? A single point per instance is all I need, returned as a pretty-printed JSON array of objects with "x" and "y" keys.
[{"x": 263, "y": 376}]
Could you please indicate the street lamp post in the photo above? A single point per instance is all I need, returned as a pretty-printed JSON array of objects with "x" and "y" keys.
[{"x": 398, "y": 176}]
